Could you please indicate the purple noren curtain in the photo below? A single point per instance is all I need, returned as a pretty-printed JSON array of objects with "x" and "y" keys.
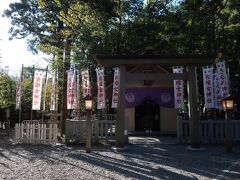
[{"x": 161, "y": 96}]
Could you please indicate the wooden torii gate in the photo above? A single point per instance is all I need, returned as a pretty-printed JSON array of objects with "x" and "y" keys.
[{"x": 190, "y": 61}]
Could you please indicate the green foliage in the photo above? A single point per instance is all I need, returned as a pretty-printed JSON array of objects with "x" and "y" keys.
[
  {"x": 87, "y": 27},
  {"x": 26, "y": 98},
  {"x": 7, "y": 90}
]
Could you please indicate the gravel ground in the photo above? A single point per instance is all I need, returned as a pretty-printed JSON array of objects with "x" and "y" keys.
[{"x": 141, "y": 160}]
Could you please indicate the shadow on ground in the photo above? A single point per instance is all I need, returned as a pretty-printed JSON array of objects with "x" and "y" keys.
[{"x": 137, "y": 161}]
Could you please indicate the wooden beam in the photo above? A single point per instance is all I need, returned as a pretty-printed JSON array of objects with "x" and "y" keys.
[
  {"x": 134, "y": 69},
  {"x": 155, "y": 76},
  {"x": 162, "y": 69},
  {"x": 169, "y": 60},
  {"x": 166, "y": 83}
]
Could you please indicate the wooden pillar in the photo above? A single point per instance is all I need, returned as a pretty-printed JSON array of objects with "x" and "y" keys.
[
  {"x": 120, "y": 123},
  {"x": 89, "y": 131},
  {"x": 193, "y": 107},
  {"x": 8, "y": 121},
  {"x": 64, "y": 100},
  {"x": 228, "y": 136}
]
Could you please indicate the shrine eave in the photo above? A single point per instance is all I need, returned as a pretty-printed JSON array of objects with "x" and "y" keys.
[{"x": 153, "y": 59}]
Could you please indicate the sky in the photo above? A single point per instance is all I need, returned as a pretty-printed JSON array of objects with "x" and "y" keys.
[{"x": 14, "y": 53}]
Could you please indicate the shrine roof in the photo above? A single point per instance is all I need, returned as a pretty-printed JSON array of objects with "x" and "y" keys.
[{"x": 154, "y": 59}]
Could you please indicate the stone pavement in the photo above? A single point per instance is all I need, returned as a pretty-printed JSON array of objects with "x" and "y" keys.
[
  {"x": 144, "y": 158},
  {"x": 152, "y": 140},
  {"x": 232, "y": 171}
]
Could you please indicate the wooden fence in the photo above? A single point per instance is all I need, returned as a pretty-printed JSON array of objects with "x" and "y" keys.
[
  {"x": 35, "y": 133},
  {"x": 103, "y": 128},
  {"x": 210, "y": 131}
]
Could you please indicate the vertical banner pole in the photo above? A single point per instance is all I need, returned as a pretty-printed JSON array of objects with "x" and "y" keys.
[
  {"x": 44, "y": 95},
  {"x": 32, "y": 90},
  {"x": 20, "y": 108}
]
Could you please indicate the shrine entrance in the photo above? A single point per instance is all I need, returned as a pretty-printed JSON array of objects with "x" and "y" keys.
[
  {"x": 147, "y": 117},
  {"x": 128, "y": 63}
]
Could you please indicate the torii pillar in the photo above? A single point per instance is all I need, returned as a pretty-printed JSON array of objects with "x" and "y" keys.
[
  {"x": 193, "y": 108},
  {"x": 120, "y": 122}
]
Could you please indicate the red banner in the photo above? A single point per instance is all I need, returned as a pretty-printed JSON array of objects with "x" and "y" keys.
[
  {"x": 18, "y": 94},
  {"x": 70, "y": 89},
  {"x": 85, "y": 83},
  {"x": 37, "y": 89}
]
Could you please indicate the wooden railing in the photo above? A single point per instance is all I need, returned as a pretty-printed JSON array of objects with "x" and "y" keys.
[
  {"x": 31, "y": 131},
  {"x": 103, "y": 128},
  {"x": 210, "y": 131}
]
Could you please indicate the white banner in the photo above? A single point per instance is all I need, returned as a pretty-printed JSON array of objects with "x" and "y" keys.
[
  {"x": 115, "y": 88},
  {"x": 37, "y": 89},
  {"x": 223, "y": 79},
  {"x": 178, "y": 89},
  {"x": 208, "y": 87},
  {"x": 76, "y": 90},
  {"x": 70, "y": 89},
  {"x": 101, "y": 88},
  {"x": 85, "y": 83},
  {"x": 45, "y": 91},
  {"x": 217, "y": 92},
  {"x": 18, "y": 93},
  {"x": 53, "y": 92}
]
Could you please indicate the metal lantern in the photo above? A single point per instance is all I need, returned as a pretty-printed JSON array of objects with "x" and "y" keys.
[
  {"x": 227, "y": 103},
  {"x": 88, "y": 102}
]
